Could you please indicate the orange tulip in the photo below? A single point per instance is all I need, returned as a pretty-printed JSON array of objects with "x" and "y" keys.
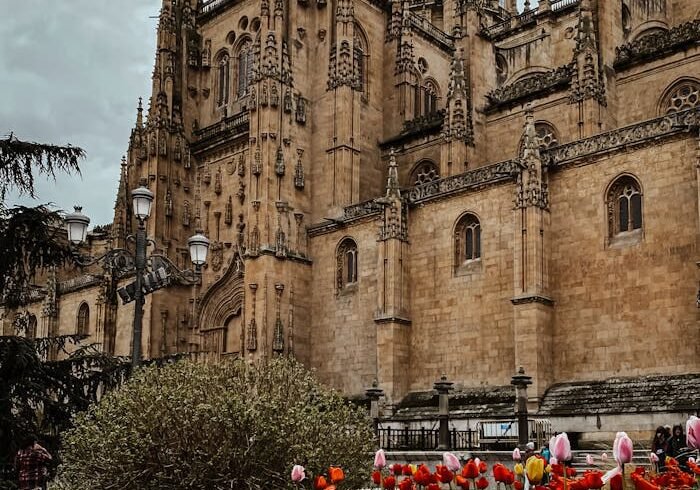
[
  {"x": 462, "y": 482},
  {"x": 336, "y": 474},
  {"x": 320, "y": 483}
]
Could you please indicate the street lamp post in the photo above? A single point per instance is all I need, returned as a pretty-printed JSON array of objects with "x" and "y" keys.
[
  {"x": 521, "y": 382},
  {"x": 443, "y": 388},
  {"x": 142, "y": 198}
]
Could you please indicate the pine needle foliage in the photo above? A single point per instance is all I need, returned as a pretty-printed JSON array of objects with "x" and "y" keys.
[
  {"x": 42, "y": 397},
  {"x": 31, "y": 240},
  {"x": 235, "y": 425},
  {"x": 20, "y": 159}
]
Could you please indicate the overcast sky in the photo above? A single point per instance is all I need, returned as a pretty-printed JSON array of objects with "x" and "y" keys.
[{"x": 71, "y": 72}]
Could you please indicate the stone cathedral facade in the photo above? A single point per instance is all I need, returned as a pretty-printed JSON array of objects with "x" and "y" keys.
[{"x": 397, "y": 190}]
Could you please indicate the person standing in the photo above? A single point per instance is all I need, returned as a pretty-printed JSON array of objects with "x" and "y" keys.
[
  {"x": 677, "y": 441},
  {"x": 31, "y": 464},
  {"x": 659, "y": 446}
]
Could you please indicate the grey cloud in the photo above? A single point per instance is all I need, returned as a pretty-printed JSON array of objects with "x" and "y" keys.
[{"x": 72, "y": 72}]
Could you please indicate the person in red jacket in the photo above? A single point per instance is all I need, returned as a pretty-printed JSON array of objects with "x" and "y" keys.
[{"x": 31, "y": 464}]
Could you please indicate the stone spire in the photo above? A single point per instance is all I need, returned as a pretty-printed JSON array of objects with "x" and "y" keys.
[
  {"x": 392, "y": 181},
  {"x": 458, "y": 123},
  {"x": 587, "y": 82}
]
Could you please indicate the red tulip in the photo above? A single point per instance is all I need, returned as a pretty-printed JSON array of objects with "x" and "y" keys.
[
  {"x": 499, "y": 472},
  {"x": 482, "y": 467},
  {"x": 396, "y": 469},
  {"x": 616, "y": 482},
  {"x": 433, "y": 486},
  {"x": 444, "y": 475},
  {"x": 517, "y": 485},
  {"x": 462, "y": 482},
  {"x": 470, "y": 470},
  {"x": 594, "y": 480},
  {"x": 376, "y": 477},
  {"x": 570, "y": 472},
  {"x": 422, "y": 476},
  {"x": 406, "y": 484},
  {"x": 320, "y": 483},
  {"x": 389, "y": 482},
  {"x": 482, "y": 483},
  {"x": 406, "y": 470}
]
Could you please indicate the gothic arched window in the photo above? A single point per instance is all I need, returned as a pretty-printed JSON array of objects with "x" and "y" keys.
[
  {"x": 244, "y": 68},
  {"x": 426, "y": 171},
  {"x": 682, "y": 95},
  {"x": 360, "y": 58},
  {"x": 624, "y": 206},
  {"x": 467, "y": 239},
  {"x": 83, "y": 327},
  {"x": 431, "y": 94},
  {"x": 346, "y": 263},
  {"x": 222, "y": 79}
]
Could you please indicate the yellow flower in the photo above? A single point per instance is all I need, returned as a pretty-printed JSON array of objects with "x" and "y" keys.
[
  {"x": 548, "y": 469},
  {"x": 534, "y": 469},
  {"x": 518, "y": 468},
  {"x": 414, "y": 468}
]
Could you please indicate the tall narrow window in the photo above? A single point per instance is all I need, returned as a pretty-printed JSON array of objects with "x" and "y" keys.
[
  {"x": 430, "y": 98},
  {"x": 624, "y": 206},
  {"x": 467, "y": 240},
  {"x": 346, "y": 260},
  {"x": 83, "y": 327},
  {"x": 31, "y": 327},
  {"x": 245, "y": 68},
  {"x": 360, "y": 56},
  {"x": 223, "y": 67}
]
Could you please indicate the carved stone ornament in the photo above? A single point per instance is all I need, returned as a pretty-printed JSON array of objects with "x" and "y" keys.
[
  {"x": 658, "y": 44},
  {"x": 535, "y": 85},
  {"x": 217, "y": 256}
]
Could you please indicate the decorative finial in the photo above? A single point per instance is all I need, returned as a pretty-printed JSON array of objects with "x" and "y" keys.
[
  {"x": 392, "y": 181},
  {"x": 529, "y": 133}
]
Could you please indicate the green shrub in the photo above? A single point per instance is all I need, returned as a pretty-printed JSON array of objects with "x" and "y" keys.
[{"x": 234, "y": 425}]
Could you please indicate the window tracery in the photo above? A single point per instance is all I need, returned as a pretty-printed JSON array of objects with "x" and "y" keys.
[
  {"x": 224, "y": 69},
  {"x": 682, "y": 95},
  {"x": 624, "y": 206},
  {"x": 467, "y": 240},
  {"x": 346, "y": 264},
  {"x": 244, "y": 60},
  {"x": 425, "y": 172}
]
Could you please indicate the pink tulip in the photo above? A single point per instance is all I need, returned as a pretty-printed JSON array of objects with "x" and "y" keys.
[
  {"x": 622, "y": 448},
  {"x": 477, "y": 461},
  {"x": 516, "y": 454},
  {"x": 553, "y": 460},
  {"x": 451, "y": 461},
  {"x": 653, "y": 458},
  {"x": 298, "y": 473},
  {"x": 604, "y": 456},
  {"x": 692, "y": 431},
  {"x": 691, "y": 460},
  {"x": 589, "y": 460},
  {"x": 561, "y": 448},
  {"x": 380, "y": 459}
]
